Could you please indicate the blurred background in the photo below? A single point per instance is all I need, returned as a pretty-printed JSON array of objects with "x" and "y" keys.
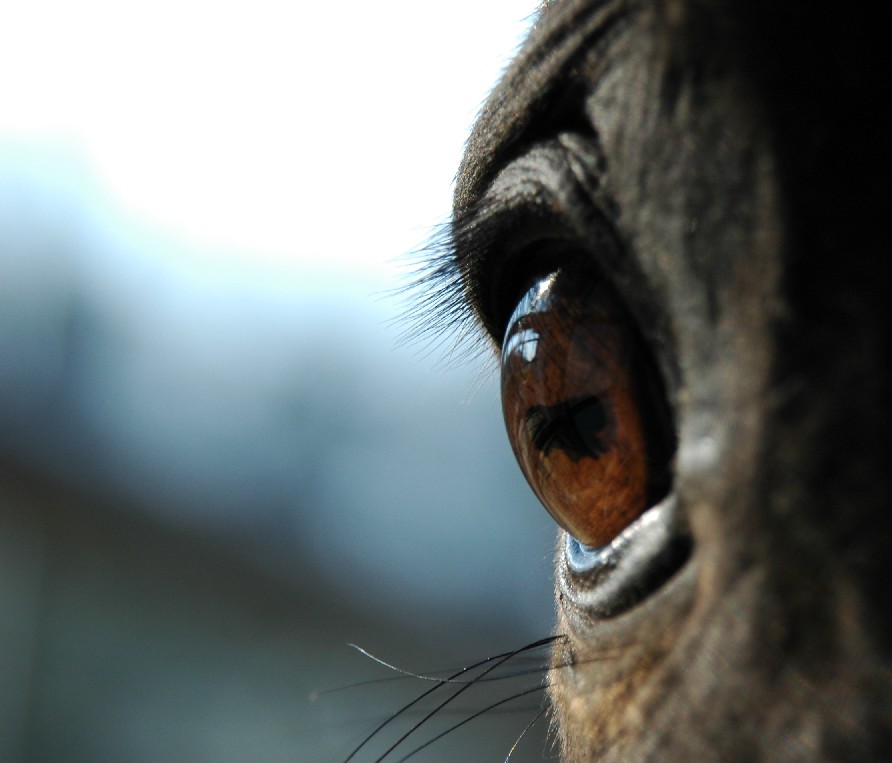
[{"x": 218, "y": 463}]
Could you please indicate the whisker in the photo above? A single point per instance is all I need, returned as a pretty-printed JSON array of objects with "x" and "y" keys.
[
  {"x": 458, "y": 672},
  {"x": 524, "y": 732},
  {"x": 446, "y": 679},
  {"x": 477, "y": 714},
  {"x": 482, "y": 672},
  {"x": 424, "y": 676},
  {"x": 405, "y": 674},
  {"x": 498, "y": 659},
  {"x": 393, "y": 717},
  {"x": 433, "y": 676},
  {"x": 356, "y": 685},
  {"x": 317, "y": 694}
]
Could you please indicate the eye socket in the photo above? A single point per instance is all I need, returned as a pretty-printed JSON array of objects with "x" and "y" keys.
[{"x": 584, "y": 406}]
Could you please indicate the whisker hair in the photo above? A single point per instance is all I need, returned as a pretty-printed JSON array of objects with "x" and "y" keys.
[
  {"x": 497, "y": 660},
  {"x": 476, "y": 714},
  {"x": 524, "y": 732},
  {"x": 458, "y": 692}
]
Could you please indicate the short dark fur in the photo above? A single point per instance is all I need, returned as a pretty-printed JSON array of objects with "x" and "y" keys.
[{"x": 721, "y": 162}]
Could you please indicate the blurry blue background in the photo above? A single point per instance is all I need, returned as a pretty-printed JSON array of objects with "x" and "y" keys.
[{"x": 218, "y": 463}]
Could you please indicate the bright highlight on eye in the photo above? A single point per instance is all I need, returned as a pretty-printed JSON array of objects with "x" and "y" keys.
[{"x": 584, "y": 407}]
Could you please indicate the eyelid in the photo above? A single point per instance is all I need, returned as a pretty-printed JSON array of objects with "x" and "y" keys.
[
  {"x": 547, "y": 208},
  {"x": 534, "y": 217}
]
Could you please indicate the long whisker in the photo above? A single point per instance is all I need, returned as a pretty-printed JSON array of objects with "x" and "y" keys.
[
  {"x": 404, "y": 674},
  {"x": 524, "y": 732},
  {"x": 355, "y": 685},
  {"x": 403, "y": 709},
  {"x": 471, "y": 717},
  {"x": 444, "y": 679},
  {"x": 424, "y": 676},
  {"x": 497, "y": 662},
  {"x": 498, "y": 659}
]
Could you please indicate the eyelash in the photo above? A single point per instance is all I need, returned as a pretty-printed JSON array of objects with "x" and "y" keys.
[
  {"x": 467, "y": 279},
  {"x": 442, "y": 290}
]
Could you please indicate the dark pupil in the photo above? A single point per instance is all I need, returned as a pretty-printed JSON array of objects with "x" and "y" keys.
[{"x": 574, "y": 426}]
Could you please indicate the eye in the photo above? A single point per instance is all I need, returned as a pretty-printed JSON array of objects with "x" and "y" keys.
[{"x": 585, "y": 410}]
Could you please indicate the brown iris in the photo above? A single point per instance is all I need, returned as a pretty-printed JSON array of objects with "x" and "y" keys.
[{"x": 585, "y": 416}]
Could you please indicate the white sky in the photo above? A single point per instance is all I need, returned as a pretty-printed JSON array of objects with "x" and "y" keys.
[{"x": 319, "y": 138}]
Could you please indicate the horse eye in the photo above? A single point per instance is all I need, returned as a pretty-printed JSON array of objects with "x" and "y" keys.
[{"x": 584, "y": 407}]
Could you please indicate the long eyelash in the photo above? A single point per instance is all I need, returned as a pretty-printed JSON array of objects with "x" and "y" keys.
[{"x": 442, "y": 288}]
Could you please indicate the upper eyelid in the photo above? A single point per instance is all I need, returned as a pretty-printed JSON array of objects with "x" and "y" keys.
[
  {"x": 557, "y": 192},
  {"x": 551, "y": 193}
]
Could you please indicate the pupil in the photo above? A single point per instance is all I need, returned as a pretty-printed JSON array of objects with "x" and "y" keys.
[{"x": 576, "y": 427}]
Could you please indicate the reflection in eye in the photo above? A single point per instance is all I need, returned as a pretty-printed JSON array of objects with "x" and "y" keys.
[{"x": 584, "y": 408}]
